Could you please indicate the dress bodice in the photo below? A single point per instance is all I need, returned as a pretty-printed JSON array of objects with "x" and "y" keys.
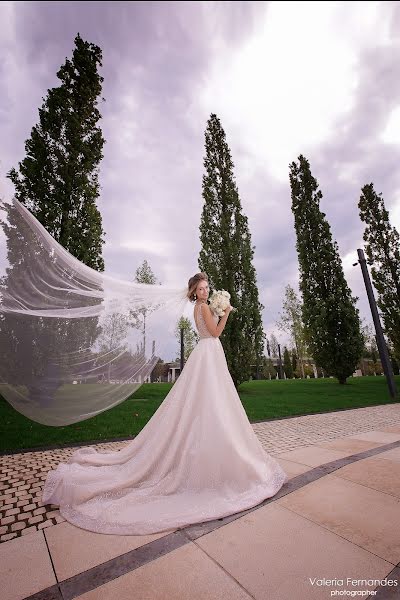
[{"x": 200, "y": 323}]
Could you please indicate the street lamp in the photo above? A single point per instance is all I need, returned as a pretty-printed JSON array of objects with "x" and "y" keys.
[
  {"x": 280, "y": 363},
  {"x": 182, "y": 351}
]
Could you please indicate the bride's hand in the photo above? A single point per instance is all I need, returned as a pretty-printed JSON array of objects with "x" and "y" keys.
[{"x": 230, "y": 309}]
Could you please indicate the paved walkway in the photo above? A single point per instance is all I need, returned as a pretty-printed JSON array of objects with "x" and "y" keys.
[{"x": 338, "y": 517}]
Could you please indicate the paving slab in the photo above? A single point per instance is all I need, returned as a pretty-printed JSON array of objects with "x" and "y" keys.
[
  {"x": 313, "y": 456},
  {"x": 393, "y": 455},
  {"x": 364, "y": 516},
  {"x": 90, "y": 549},
  {"x": 291, "y": 468},
  {"x": 184, "y": 574},
  {"x": 25, "y": 567},
  {"x": 288, "y": 553},
  {"x": 373, "y": 473},
  {"x": 346, "y": 522},
  {"x": 383, "y": 437},
  {"x": 350, "y": 445}
]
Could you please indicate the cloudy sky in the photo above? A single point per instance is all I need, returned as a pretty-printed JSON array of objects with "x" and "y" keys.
[{"x": 318, "y": 78}]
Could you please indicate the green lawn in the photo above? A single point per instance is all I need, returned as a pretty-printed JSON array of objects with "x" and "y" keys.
[{"x": 262, "y": 400}]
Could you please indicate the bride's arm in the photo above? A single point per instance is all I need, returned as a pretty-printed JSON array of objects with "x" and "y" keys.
[{"x": 214, "y": 329}]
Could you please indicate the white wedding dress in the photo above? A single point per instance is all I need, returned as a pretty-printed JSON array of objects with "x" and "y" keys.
[{"x": 197, "y": 459}]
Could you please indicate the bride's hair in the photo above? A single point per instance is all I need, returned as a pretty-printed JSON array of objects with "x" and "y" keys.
[{"x": 193, "y": 283}]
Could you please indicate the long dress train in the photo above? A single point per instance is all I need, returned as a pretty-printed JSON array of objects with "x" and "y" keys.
[{"x": 197, "y": 459}]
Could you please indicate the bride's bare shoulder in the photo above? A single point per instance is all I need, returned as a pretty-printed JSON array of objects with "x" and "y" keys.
[
  {"x": 206, "y": 310},
  {"x": 205, "y": 307}
]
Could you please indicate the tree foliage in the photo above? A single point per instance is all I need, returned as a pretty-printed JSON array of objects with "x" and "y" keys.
[
  {"x": 291, "y": 321},
  {"x": 138, "y": 316},
  {"x": 382, "y": 247},
  {"x": 190, "y": 337},
  {"x": 329, "y": 311},
  {"x": 58, "y": 179},
  {"x": 226, "y": 255},
  {"x": 287, "y": 363},
  {"x": 144, "y": 274},
  {"x": 58, "y": 182}
]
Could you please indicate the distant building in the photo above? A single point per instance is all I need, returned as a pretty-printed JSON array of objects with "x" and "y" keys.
[{"x": 174, "y": 370}]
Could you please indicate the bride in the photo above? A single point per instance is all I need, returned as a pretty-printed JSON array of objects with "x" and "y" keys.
[{"x": 197, "y": 459}]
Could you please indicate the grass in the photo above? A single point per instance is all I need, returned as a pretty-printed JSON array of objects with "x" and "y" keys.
[
  {"x": 276, "y": 399},
  {"x": 262, "y": 400}
]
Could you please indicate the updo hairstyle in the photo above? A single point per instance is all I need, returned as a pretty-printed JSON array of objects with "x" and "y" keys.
[{"x": 193, "y": 283}]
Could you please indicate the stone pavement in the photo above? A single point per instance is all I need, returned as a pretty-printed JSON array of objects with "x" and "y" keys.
[
  {"x": 337, "y": 517},
  {"x": 22, "y": 474}
]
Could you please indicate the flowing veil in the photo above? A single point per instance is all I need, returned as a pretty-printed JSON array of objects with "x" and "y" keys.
[{"x": 74, "y": 342}]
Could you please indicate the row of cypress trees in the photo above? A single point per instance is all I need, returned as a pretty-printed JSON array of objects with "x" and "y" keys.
[
  {"x": 58, "y": 182},
  {"x": 329, "y": 311}
]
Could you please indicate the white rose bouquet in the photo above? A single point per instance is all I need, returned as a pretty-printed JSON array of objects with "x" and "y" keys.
[{"x": 219, "y": 302}]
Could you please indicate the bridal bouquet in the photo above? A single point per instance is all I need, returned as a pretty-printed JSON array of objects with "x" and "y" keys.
[{"x": 219, "y": 301}]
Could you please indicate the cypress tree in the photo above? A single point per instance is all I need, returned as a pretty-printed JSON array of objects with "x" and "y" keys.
[
  {"x": 287, "y": 364},
  {"x": 330, "y": 316},
  {"x": 58, "y": 179},
  {"x": 294, "y": 361},
  {"x": 383, "y": 255},
  {"x": 226, "y": 255},
  {"x": 58, "y": 182}
]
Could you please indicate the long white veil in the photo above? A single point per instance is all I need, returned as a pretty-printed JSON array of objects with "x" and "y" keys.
[{"x": 73, "y": 342}]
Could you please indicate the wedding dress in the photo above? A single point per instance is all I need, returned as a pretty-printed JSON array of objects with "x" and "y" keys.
[{"x": 197, "y": 459}]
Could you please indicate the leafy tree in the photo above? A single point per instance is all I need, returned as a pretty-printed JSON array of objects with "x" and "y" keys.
[
  {"x": 395, "y": 364},
  {"x": 330, "y": 316},
  {"x": 268, "y": 369},
  {"x": 190, "y": 337},
  {"x": 273, "y": 345},
  {"x": 382, "y": 247},
  {"x": 287, "y": 364},
  {"x": 58, "y": 182},
  {"x": 58, "y": 179},
  {"x": 370, "y": 345},
  {"x": 294, "y": 360},
  {"x": 291, "y": 321},
  {"x": 144, "y": 274},
  {"x": 115, "y": 328},
  {"x": 160, "y": 371},
  {"x": 226, "y": 255}
]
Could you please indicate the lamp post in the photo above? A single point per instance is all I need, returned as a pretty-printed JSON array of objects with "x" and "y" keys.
[
  {"x": 269, "y": 356},
  {"x": 382, "y": 347},
  {"x": 280, "y": 363},
  {"x": 182, "y": 350}
]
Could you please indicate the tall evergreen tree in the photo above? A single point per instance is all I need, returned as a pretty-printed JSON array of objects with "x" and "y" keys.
[
  {"x": 287, "y": 364},
  {"x": 226, "y": 255},
  {"x": 294, "y": 362},
  {"x": 330, "y": 316},
  {"x": 58, "y": 179},
  {"x": 383, "y": 253}
]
